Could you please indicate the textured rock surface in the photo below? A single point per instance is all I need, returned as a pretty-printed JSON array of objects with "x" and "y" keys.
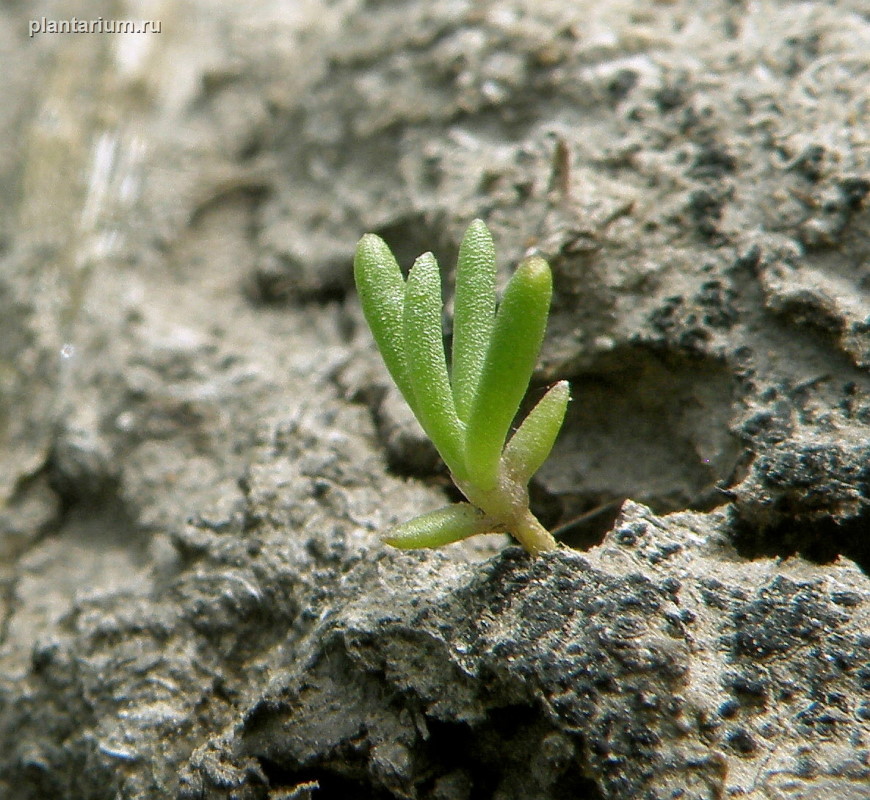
[
  {"x": 198, "y": 443},
  {"x": 621, "y": 674}
]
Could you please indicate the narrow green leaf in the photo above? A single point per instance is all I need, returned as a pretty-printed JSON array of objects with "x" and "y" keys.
[
  {"x": 440, "y": 527},
  {"x": 513, "y": 350},
  {"x": 529, "y": 447},
  {"x": 427, "y": 365},
  {"x": 381, "y": 290},
  {"x": 473, "y": 313}
]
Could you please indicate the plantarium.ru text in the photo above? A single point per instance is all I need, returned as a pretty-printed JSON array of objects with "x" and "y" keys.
[{"x": 467, "y": 411}]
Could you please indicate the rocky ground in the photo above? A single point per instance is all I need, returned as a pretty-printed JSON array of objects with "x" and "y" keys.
[{"x": 199, "y": 444}]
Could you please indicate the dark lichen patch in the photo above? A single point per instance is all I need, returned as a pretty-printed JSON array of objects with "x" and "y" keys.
[
  {"x": 749, "y": 688},
  {"x": 814, "y": 480},
  {"x": 742, "y": 741},
  {"x": 782, "y": 616}
]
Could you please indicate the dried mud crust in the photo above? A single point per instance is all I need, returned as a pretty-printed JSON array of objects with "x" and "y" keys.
[{"x": 198, "y": 444}]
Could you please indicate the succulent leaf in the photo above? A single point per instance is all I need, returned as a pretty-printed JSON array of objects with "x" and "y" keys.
[
  {"x": 427, "y": 365},
  {"x": 446, "y": 525},
  {"x": 513, "y": 350},
  {"x": 529, "y": 447},
  {"x": 473, "y": 313},
  {"x": 381, "y": 290}
]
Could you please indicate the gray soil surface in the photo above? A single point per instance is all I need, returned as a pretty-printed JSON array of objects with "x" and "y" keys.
[{"x": 199, "y": 444}]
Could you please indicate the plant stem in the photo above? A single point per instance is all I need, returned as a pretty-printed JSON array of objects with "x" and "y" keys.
[
  {"x": 531, "y": 534},
  {"x": 508, "y": 506}
]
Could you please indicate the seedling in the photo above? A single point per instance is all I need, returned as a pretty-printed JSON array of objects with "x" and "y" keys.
[{"x": 467, "y": 412}]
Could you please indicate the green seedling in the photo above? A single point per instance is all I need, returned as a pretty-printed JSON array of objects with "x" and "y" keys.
[{"x": 467, "y": 411}]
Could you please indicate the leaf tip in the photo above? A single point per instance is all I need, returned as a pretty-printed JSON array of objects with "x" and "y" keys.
[{"x": 536, "y": 270}]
